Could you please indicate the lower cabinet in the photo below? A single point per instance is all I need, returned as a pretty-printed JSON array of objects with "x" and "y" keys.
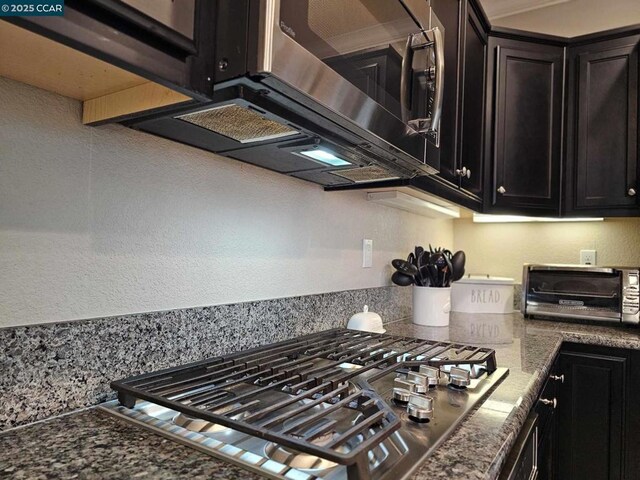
[
  {"x": 597, "y": 414},
  {"x": 587, "y": 418}
]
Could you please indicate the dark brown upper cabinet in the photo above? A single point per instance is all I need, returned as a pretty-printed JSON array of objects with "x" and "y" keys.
[
  {"x": 602, "y": 128},
  {"x": 461, "y": 142},
  {"x": 473, "y": 39},
  {"x": 524, "y": 139}
]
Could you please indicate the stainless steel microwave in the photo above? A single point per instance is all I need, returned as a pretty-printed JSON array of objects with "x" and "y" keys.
[
  {"x": 586, "y": 292},
  {"x": 335, "y": 92}
]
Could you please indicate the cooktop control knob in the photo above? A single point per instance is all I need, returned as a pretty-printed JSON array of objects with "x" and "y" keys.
[
  {"x": 401, "y": 395},
  {"x": 432, "y": 374},
  {"x": 459, "y": 377},
  {"x": 420, "y": 408},
  {"x": 421, "y": 382},
  {"x": 402, "y": 390}
]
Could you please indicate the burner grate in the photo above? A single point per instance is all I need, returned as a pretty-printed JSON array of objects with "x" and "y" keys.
[{"x": 225, "y": 390}]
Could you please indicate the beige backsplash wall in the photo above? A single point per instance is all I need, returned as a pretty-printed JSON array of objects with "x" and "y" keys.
[{"x": 502, "y": 248}]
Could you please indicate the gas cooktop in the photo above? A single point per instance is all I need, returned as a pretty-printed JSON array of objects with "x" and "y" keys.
[{"x": 340, "y": 404}]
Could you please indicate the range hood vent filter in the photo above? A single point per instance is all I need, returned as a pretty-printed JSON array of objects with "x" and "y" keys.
[
  {"x": 239, "y": 123},
  {"x": 371, "y": 173}
]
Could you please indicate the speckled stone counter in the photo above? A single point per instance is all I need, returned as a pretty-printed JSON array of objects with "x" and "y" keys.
[
  {"x": 94, "y": 445},
  {"x": 90, "y": 445}
]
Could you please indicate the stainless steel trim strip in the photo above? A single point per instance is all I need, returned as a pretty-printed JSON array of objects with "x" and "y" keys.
[{"x": 571, "y": 268}]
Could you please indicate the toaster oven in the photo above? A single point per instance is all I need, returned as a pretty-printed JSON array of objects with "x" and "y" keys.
[{"x": 583, "y": 292}]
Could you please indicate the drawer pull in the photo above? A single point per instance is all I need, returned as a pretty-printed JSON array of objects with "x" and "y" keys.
[
  {"x": 502, "y": 190},
  {"x": 559, "y": 378}
]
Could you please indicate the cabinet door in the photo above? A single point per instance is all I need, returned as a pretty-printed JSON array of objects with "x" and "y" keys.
[
  {"x": 471, "y": 127},
  {"x": 591, "y": 416},
  {"x": 448, "y": 12},
  {"x": 602, "y": 147},
  {"x": 526, "y": 135},
  {"x": 547, "y": 450}
]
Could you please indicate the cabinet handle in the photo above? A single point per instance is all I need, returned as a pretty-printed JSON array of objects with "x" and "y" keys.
[
  {"x": 557, "y": 378},
  {"x": 553, "y": 402},
  {"x": 502, "y": 190},
  {"x": 632, "y": 192},
  {"x": 463, "y": 172}
]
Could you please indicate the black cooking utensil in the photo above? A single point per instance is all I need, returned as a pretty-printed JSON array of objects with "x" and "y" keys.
[
  {"x": 440, "y": 262},
  {"x": 425, "y": 277},
  {"x": 404, "y": 267},
  {"x": 432, "y": 271},
  {"x": 412, "y": 259},
  {"x": 402, "y": 279},
  {"x": 457, "y": 262},
  {"x": 423, "y": 259},
  {"x": 417, "y": 251}
]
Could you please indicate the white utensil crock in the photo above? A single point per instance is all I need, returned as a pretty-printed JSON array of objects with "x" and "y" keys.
[{"x": 431, "y": 306}]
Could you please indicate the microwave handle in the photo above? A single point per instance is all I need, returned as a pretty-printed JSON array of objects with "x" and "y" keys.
[
  {"x": 438, "y": 43},
  {"x": 415, "y": 41},
  {"x": 405, "y": 77}
]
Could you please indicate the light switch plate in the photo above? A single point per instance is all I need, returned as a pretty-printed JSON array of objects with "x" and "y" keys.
[
  {"x": 588, "y": 257},
  {"x": 367, "y": 253}
]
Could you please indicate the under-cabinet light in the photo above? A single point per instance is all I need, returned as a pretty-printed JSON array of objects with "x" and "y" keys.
[
  {"x": 482, "y": 218},
  {"x": 325, "y": 156},
  {"x": 413, "y": 204}
]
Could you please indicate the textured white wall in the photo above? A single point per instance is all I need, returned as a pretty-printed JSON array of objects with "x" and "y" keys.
[
  {"x": 502, "y": 248},
  {"x": 106, "y": 221}
]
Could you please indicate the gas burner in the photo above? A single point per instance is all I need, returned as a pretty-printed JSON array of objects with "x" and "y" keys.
[
  {"x": 204, "y": 427},
  {"x": 297, "y": 460},
  {"x": 304, "y": 461}
]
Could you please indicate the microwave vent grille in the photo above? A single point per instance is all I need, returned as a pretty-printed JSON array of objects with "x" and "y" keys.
[
  {"x": 371, "y": 173},
  {"x": 239, "y": 123}
]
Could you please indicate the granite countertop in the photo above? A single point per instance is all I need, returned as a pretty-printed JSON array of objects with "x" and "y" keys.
[{"x": 91, "y": 444}]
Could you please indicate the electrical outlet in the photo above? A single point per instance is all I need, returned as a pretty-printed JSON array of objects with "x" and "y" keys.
[
  {"x": 367, "y": 253},
  {"x": 588, "y": 257}
]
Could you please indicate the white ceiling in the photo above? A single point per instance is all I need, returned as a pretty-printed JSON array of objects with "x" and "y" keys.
[{"x": 565, "y": 18}]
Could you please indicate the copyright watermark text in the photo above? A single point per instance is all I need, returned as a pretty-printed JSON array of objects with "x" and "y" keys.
[{"x": 31, "y": 8}]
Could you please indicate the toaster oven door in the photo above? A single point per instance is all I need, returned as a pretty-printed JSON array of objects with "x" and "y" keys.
[{"x": 575, "y": 294}]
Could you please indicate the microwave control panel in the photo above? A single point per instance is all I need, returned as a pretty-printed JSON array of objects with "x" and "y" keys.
[{"x": 631, "y": 296}]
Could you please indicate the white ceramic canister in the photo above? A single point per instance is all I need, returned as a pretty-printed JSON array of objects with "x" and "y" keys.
[
  {"x": 431, "y": 306},
  {"x": 482, "y": 294}
]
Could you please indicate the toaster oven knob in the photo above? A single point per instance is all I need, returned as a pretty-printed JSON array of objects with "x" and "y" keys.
[
  {"x": 459, "y": 377},
  {"x": 432, "y": 374},
  {"x": 420, "y": 382},
  {"x": 420, "y": 408},
  {"x": 632, "y": 192}
]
